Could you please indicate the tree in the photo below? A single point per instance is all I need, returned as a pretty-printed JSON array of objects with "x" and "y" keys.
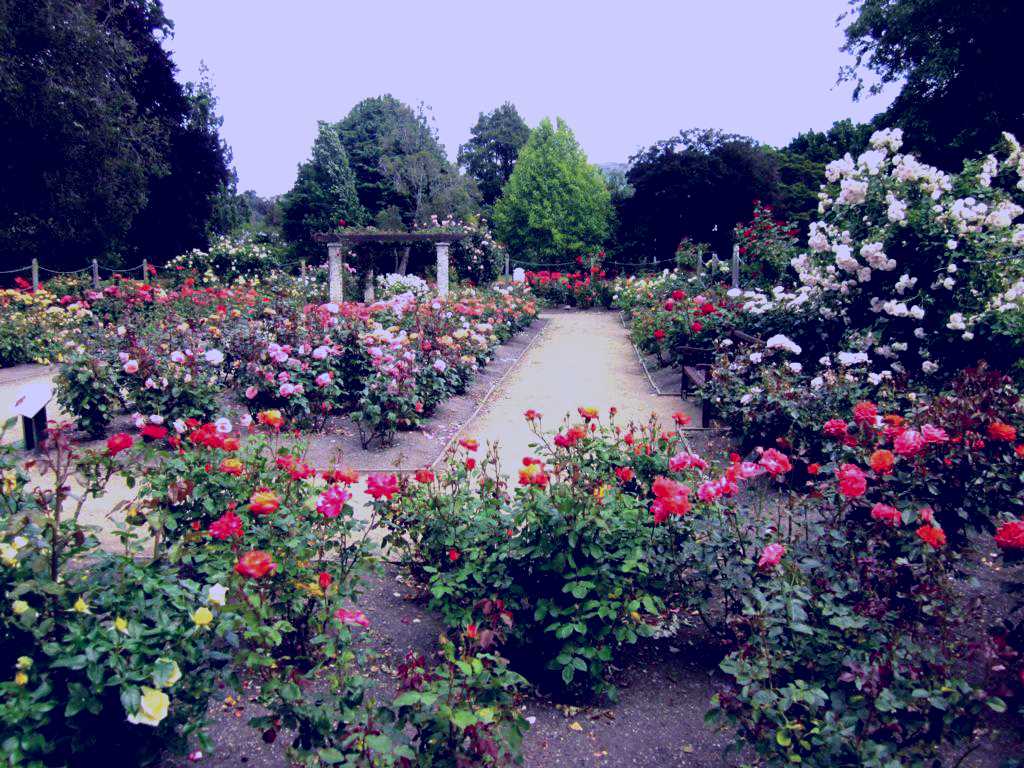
[
  {"x": 103, "y": 151},
  {"x": 324, "y": 193},
  {"x": 952, "y": 58},
  {"x": 696, "y": 185},
  {"x": 387, "y": 141},
  {"x": 555, "y": 205},
  {"x": 190, "y": 195},
  {"x": 801, "y": 165},
  {"x": 490, "y": 154},
  {"x": 74, "y": 144}
]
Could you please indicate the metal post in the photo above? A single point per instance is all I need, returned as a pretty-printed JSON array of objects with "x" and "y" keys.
[
  {"x": 95, "y": 274},
  {"x": 442, "y": 268},
  {"x": 35, "y": 274},
  {"x": 735, "y": 266},
  {"x": 335, "y": 289}
]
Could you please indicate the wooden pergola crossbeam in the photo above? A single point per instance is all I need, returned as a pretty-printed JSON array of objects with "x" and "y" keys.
[{"x": 341, "y": 241}]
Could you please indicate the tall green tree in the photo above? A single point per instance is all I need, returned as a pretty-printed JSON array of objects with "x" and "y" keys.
[
  {"x": 324, "y": 193},
  {"x": 490, "y": 154},
  {"x": 555, "y": 205},
  {"x": 954, "y": 59},
  {"x": 74, "y": 144}
]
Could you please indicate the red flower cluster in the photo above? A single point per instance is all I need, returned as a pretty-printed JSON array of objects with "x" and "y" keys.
[
  {"x": 382, "y": 486},
  {"x": 572, "y": 436},
  {"x": 852, "y": 481},
  {"x": 670, "y": 498},
  {"x": 1010, "y": 536},
  {"x": 533, "y": 473},
  {"x": 122, "y": 441},
  {"x": 227, "y": 526}
]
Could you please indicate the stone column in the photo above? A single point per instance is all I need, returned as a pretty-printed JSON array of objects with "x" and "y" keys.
[
  {"x": 735, "y": 266},
  {"x": 442, "y": 268},
  {"x": 334, "y": 266}
]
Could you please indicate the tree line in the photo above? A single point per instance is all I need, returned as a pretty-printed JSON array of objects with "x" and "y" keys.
[{"x": 106, "y": 155}]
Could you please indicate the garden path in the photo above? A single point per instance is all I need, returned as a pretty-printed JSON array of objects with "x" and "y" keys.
[{"x": 581, "y": 359}]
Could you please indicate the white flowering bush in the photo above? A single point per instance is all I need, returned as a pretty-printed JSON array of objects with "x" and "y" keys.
[
  {"x": 228, "y": 259},
  {"x": 911, "y": 265},
  {"x": 394, "y": 284}
]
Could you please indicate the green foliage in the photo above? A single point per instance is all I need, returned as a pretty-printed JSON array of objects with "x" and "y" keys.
[
  {"x": 696, "y": 185},
  {"x": 105, "y": 149},
  {"x": 87, "y": 388},
  {"x": 555, "y": 205},
  {"x": 948, "y": 58},
  {"x": 324, "y": 194},
  {"x": 490, "y": 154},
  {"x": 573, "y": 562}
]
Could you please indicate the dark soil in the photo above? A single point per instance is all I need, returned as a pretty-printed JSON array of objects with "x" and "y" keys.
[{"x": 658, "y": 720}]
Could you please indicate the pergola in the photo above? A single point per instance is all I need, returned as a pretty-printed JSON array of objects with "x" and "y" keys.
[{"x": 340, "y": 242}]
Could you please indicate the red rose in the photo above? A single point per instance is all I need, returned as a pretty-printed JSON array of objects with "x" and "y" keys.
[
  {"x": 771, "y": 556},
  {"x": 659, "y": 334},
  {"x": 883, "y": 513},
  {"x": 625, "y": 474},
  {"x": 122, "y": 441},
  {"x": 680, "y": 418},
  {"x": 1011, "y": 535},
  {"x": 835, "y": 428},
  {"x": 932, "y": 536},
  {"x": 324, "y": 580},
  {"x": 882, "y": 461},
  {"x": 382, "y": 486},
  {"x": 813, "y": 469},
  {"x": 256, "y": 564},
  {"x": 671, "y": 498},
  {"x": 865, "y": 412},
  {"x": 776, "y": 462},
  {"x": 696, "y": 327},
  {"x": 999, "y": 430},
  {"x": 424, "y": 476},
  {"x": 153, "y": 432},
  {"x": 852, "y": 482},
  {"x": 228, "y": 525},
  {"x": 909, "y": 443},
  {"x": 453, "y": 555}
]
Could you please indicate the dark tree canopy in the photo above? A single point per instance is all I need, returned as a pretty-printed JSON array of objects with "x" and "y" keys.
[
  {"x": 955, "y": 58},
  {"x": 324, "y": 193},
  {"x": 490, "y": 154},
  {"x": 400, "y": 167},
  {"x": 102, "y": 151},
  {"x": 801, "y": 165},
  {"x": 696, "y": 185}
]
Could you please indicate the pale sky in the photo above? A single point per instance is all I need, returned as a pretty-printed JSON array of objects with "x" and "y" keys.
[{"x": 622, "y": 74}]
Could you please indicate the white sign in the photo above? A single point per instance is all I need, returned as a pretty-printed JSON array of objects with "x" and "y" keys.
[{"x": 32, "y": 399}]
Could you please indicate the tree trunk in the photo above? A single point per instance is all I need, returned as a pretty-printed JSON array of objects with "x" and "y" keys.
[{"x": 403, "y": 265}]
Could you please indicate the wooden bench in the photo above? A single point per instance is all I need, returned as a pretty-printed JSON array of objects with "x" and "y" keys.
[{"x": 695, "y": 373}]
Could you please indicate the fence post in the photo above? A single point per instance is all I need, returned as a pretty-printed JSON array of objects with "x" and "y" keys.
[
  {"x": 35, "y": 274},
  {"x": 735, "y": 266},
  {"x": 95, "y": 274},
  {"x": 145, "y": 270},
  {"x": 700, "y": 266},
  {"x": 302, "y": 269}
]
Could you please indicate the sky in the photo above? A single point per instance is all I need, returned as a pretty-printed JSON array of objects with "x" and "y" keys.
[{"x": 623, "y": 74}]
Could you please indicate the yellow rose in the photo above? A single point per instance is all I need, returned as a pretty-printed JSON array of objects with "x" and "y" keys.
[
  {"x": 167, "y": 672},
  {"x": 202, "y": 616},
  {"x": 20, "y": 678},
  {"x": 121, "y": 625},
  {"x": 19, "y": 607},
  {"x": 24, "y": 662},
  {"x": 153, "y": 707}
]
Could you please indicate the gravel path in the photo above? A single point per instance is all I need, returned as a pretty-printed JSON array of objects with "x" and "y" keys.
[{"x": 581, "y": 359}]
